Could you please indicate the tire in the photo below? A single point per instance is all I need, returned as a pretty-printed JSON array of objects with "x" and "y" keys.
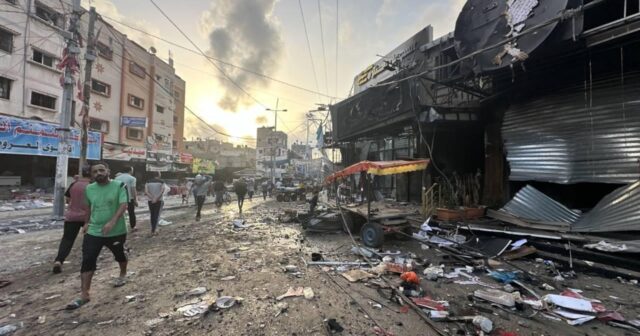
[
  {"x": 286, "y": 198},
  {"x": 279, "y": 198},
  {"x": 294, "y": 197},
  {"x": 372, "y": 235}
]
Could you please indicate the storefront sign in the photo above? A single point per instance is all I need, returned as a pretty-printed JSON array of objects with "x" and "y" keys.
[
  {"x": 400, "y": 58},
  {"x": 31, "y": 137},
  {"x": 159, "y": 166},
  {"x": 133, "y": 121},
  {"x": 185, "y": 158},
  {"x": 123, "y": 153}
]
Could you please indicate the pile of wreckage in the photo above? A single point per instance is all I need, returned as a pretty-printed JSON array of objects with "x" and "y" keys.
[
  {"x": 484, "y": 269},
  {"x": 489, "y": 253}
]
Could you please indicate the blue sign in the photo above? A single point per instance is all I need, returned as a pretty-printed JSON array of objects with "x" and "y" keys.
[
  {"x": 32, "y": 137},
  {"x": 133, "y": 121}
]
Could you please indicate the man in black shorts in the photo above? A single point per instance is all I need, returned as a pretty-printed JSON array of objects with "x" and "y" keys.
[{"x": 104, "y": 226}]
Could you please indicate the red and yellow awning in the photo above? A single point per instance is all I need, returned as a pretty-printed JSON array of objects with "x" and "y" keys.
[{"x": 380, "y": 168}]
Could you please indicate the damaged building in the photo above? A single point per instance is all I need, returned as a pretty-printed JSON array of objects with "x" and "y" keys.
[{"x": 523, "y": 93}]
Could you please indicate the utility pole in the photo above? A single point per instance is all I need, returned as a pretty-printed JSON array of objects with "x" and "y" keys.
[
  {"x": 89, "y": 57},
  {"x": 70, "y": 63}
]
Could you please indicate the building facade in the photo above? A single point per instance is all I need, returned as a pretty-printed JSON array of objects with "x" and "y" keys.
[
  {"x": 272, "y": 157},
  {"x": 137, "y": 100}
]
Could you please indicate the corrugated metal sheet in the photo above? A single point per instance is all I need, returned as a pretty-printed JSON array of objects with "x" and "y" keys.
[
  {"x": 532, "y": 205},
  {"x": 582, "y": 135},
  {"x": 618, "y": 211}
]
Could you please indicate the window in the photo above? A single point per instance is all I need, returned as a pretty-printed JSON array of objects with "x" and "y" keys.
[
  {"x": 137, "y": 69},
  {"x": 176, "y": 94},
  {"x": 174, "y": 143},
  {"x": 136, "y": 102},
  {"x": 175, "y": 119},
  {"x": 159, "y": 109},
  {"x": 6, "y": 40},
  {"x": 5, "y": 88},
  {"x": 43, "y": 100},
  {"x": 99, "y": 125},
  {"x": 134, "y": 133},
  {"x": 159, "y": 137},
  {"x": 104, "y": 51},
  {"x": 49, "y": 16},
  {"x": 100, "y": 87},
  {"x": 42, "y": 58}
]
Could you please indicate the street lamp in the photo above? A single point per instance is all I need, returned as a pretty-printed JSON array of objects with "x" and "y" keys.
[{"x": 275, "y": 126}]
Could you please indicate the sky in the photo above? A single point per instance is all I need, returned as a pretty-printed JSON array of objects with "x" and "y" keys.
[{"x": 268, "y": 37}]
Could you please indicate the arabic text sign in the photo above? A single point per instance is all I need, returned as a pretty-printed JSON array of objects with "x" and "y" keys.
[
  {"x": 124, "y": 153},
  {"x": 133, "y": 121},
  {"x": 31, "y": 137}
]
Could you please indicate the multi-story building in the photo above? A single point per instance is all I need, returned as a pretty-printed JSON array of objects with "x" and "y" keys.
[
  {"x": 271, "y": 152},
  {"x": 137, "y": 100},
  {"x": 179, "y": 92}
]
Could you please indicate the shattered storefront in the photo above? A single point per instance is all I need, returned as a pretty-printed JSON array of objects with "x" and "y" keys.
[{"x": 410, "y": 119}]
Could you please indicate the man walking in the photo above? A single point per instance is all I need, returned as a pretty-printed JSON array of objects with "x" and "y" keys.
[
  {"x": 154, "y": 189},
  {"x": 218, "y": 189},
  {"x": 200, "y": 189},
  {"x": 74, "y": 218},
  {"x": 104, "y": 226},
  {"x": 250, "y": 189},
  {"x": 265, "y": 189},
  {"x": 126, "y": 176},
  {"x": 240, "y": 188}
]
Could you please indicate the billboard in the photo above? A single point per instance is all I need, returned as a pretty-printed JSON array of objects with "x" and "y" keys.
[
  {"x": 33, "y": 137},
  {"x": 403, "y": 57}
]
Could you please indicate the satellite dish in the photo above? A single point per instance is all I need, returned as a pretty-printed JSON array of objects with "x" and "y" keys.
[{"x": 153, "y": 50}]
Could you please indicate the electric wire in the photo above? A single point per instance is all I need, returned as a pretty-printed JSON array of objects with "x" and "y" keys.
[
  {"x": 324, "y": 54},
  {"x": 306, "y": 34},
  {"x": 205, "y": 55}
]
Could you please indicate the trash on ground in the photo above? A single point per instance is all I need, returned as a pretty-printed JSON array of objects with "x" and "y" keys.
[
  {"x": 298, "y": 291},
  {"x": 332, "y": 326},
  {"x": 356, "y": 275},
  {"x": 434, "y": 272},
  {"x": 225, "y": 302},
  {"x": 496, "y": 296},
  {"x": 197, "y": 291},
  {"x": 228, "y": 278}
]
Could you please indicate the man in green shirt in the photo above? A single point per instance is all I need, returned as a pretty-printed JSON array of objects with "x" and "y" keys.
[{"x": 104, "y": 226}]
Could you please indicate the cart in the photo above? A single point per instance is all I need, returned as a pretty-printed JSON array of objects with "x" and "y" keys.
[
  {"x": 382, "y": 220},
  {"x": 289, "y": 194}
]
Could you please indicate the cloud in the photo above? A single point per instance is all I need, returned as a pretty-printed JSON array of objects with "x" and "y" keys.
[
  {"x": 245, "y": 33},
  {"x": 387, "y": 10},
  {"x": 442, "y": 15},
  {"x": 261, "y": 120}
]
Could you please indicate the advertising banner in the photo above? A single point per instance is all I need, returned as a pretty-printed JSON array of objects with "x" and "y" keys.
[
  {"x": 123, "y": 153},
  {"x": 203, "y": 166},
  {"x": 32, "y": 137}
]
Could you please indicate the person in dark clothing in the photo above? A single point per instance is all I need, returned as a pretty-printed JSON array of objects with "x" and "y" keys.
[
  {"x": 154, "y": 189},
  {"x": 240, "y": 188},
  {"x": 200, "y": 189},
  {"x": 74, "y": 217},
  {"x": 265, "y": 189},
  {"x": 218, "y": 190},
  {"x": 313, "y": 202}
]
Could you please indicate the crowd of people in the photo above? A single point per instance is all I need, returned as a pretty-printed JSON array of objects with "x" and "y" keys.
[{"x": 97, "y": 203}]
